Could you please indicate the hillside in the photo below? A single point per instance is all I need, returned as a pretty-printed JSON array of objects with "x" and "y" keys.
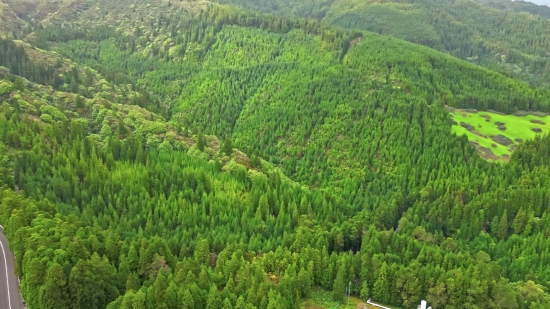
[
  {"x": 223, "y": 158},
  {"x": 464, "y": 29},
  {"x": 514, "y": 42},
  {"x": 197, "y": 66},
  {"x": 511, "y": 37},
  {"x": 99, "y": 161},
  {"x": 536, "y": 7}
]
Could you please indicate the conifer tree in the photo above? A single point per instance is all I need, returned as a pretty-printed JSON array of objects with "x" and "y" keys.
[
  {"x": 502, "y": 230},
  {"x": 201, "y": 142},
  {"x": 381, "y": 288},
  {"x": 227, "y": 146},
  {"x": 339, "y": 286}
]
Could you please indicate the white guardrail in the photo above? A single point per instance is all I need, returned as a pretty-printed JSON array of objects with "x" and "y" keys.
[{"x": 376, "y": 305}]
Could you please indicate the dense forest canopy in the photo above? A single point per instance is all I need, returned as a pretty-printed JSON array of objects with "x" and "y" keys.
[
  {"x": 197, "y": 155},
  {"x": 537, "y": 7},
  {"x": 509, "y": 36}
]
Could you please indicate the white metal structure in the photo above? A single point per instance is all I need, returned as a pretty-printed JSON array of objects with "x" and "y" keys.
[
  {"x": 376, "y": 305},
  {"x": 423, "y": 304}
]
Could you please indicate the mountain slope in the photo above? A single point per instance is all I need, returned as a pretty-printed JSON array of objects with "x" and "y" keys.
[
  {"x": 105, "y": 228},
  {"x": 515, "y": 41},
  {"x": 501, "y": 35},
  {"x": 536, "y": 7},
  {"x": 133, "y": 202},
  {"x": 11, "y": 23},
  {"x": 211, "y": 77},
  {"x": 464, "y": 29},
  {"x": 99, "y": 162}
]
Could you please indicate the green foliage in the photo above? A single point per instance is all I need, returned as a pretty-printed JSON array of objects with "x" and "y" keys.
[
  {"x": 339, "y": 287},
  {"x": 14, "y": 58},
  {"x": 227, "y": 147},
  {"x": 350, "y": 170},
  {"x": 381, "y": 288},
  {"x": 498, "y": 34},
  {"x": 201, "y": 141},
  {"x": 519, "y": 6},
  {"x": 308, "y": 8}
]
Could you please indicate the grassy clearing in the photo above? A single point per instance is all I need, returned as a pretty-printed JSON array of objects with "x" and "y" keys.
[
  {"x": 321, "y": 299},
  {"x": 484, "y": 127}
]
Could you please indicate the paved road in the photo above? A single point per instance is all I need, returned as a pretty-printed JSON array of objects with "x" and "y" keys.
[{"x": 10, "y": 298}]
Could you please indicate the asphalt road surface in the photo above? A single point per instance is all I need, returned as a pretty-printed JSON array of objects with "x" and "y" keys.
[{"x": 10, "y": 298}]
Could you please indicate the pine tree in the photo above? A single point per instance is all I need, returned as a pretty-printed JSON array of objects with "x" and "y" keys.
[
  {"x": 201, "y": 142},
  {"x": 304, "y": 283},
  {"x": 214, "y": 300},
  {"x": 227, "y": 146},
  {"x": 79, "y": 101},
  {"x": 121, "y": 128},
  {"x": 263, "y": 207},
  {"x": 54, "y": 292},
  {"x": 339, "y": 286},
  {"x": 202, "y": 252},
  {"x": 106, "y": 130},
  {"x": 520, "y": 221},
  {"x": 132, "y": 283},
  {"x": 502, "y": 230},
  {"x": 156, "y": 294},
  {"x": 241, "y": 303},
  {"x": 186, "y": 299},
  {"x": 381, "y": 288},
  {"x": 227, "y": 304},
  {"x": 18, "y": 84},
  {"x": 365, "y": 292}
]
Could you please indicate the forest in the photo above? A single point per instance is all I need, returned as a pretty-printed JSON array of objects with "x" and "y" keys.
[
  {"x": 511, "y": 37},
  {"x": 196, "y": 155}
]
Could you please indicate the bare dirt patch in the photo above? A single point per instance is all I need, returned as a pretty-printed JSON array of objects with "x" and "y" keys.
[
  {"x": 536, "y": 130},
  {"x": 467, "y": 126},
  {"x": 538, "y": 121},
  {"x": 479, "y": 134},
  {"x": 519, "y": 140},
  {"x": 502, "y": 128},
  {"x": 484, "y": 152},
  {"x": 505, "y": 158},
  {"x": 512, "y": 148},
  {"x": 356, "y": 41},
  {"x": 526, "y": 113},
  {"x": 501, "y": 139},
  {"x": 486, "y": 116},
  {"x": 498, "y": 123},
  {"x": 242, "y": 158}
]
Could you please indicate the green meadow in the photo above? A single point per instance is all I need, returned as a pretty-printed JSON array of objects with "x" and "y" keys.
[{"x": 484, "y": 131}]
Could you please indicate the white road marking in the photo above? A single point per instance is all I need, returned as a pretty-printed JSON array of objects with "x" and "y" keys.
[{"x": 7, "y": 280}]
